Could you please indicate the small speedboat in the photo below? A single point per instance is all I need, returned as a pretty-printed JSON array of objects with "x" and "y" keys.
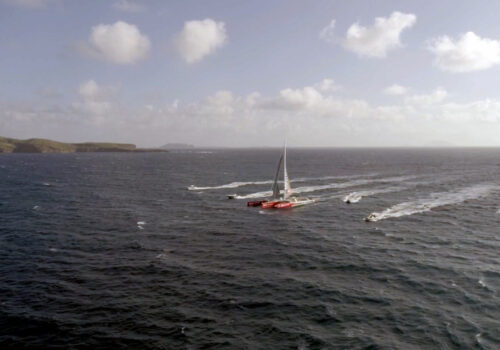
[
  {"x": 232, "y": 196},
  {"x": 371, "y": 217}
]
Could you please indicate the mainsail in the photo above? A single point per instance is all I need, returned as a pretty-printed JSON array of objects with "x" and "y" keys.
[
  {"x": 276, "y": 188},
  {"x": 288, "y": 188}
]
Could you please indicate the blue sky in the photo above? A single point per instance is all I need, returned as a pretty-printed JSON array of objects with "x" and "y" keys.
[{"x": 234, "y": 73}]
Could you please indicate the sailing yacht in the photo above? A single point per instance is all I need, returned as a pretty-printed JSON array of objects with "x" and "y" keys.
[{"x": 288, "y": 200}]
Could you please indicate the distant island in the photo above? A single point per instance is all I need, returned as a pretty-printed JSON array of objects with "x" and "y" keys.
[
  {"x": 9, "y": 145},
  {"x": 177, "y": 146}
]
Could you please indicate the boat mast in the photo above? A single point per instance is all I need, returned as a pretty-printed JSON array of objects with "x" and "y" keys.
[{"x": 287, "y": 188}]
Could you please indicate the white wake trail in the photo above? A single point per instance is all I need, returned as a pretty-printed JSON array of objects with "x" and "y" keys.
[
  {"x": 435, "y": 200},
  {"x": 237, "y": 184},
  {"x": 229, "y": 185},
  {"x": 355, "y": 197},
  {"x": 335, "y": 185}
]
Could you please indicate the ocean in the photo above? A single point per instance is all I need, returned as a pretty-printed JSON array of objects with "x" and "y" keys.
[{"x": 144, "y": 251}]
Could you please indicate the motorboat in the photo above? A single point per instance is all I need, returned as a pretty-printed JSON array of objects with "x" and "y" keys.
[{"x": 371, "y": 217}]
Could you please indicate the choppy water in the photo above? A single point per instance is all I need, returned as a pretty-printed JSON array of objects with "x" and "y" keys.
[{"x": 113, "y": 251}]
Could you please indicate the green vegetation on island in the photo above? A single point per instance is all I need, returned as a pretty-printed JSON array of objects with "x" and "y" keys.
[{"x": 9, "y": 145}]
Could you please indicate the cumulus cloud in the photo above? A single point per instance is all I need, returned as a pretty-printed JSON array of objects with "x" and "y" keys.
[
  {"x": 395, "y": 90},
  {"x": 468, "y": 53},
  {"x": 128, "y": 6},
  {"x": 313, "y": 100},
  {"x": 327, "y": 85},
  {"x": 438, "y": 95},
  {"x": 377, "y": 40},
  {"x": 200, "y": 38},
  {"x": 119, "y": 43},
  {"x": 94, "y": 99}
]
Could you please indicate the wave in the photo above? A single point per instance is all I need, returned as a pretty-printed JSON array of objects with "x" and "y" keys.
[
  {"x": 355, "y": 197},
  {"x": 435, "y": 200},
  {"x": 237, "y": 184},
  {"x": 336, "y": 185}
]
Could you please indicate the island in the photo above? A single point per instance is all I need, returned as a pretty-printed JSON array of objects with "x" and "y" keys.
[{"x": 10, "y": 145}]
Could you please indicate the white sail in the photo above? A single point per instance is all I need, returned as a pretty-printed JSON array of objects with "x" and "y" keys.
[
  {"x": 276, "y": 188},
  {"x": 288, "y": 188}
]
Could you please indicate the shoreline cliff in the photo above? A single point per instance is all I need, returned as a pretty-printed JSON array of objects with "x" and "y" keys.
[{"x": 10, "y": 145}]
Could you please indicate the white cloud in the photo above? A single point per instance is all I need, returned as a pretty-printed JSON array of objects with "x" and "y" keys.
[
  {"x": 119, "y": 43},
  {"x": 221, "y": 103},
  {"x": 128, "y": 6},
  {"x": 468, "y": 53},
  {"x": 328, "y": 33},
  {"x": 316, "y": 101},
  {"x": 438, "y": 95},
  {"x": 29, "y": 4},
  {"x": 89, "y": 89},
  {"x": 327, "y": 85},
  {"x": 379, "y": 39},
  {"x": 200, "y": 38},
  {"x": 94, "y": 99},
  {"x": 310, "y": 117},
  {"x": 395, "y": 90}
]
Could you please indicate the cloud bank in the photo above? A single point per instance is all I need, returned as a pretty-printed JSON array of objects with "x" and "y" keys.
[{"x": 309, "y": 115}]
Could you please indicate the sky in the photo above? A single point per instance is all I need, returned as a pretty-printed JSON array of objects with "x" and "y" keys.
[{"x": 250, "y": 73}]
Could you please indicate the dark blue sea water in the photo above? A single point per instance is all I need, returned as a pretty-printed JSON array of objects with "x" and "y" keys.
[{"x": 112, "y": 251}]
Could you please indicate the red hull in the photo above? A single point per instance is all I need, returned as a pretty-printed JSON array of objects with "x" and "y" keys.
[
  {"x": 269, "y": 205},
  {"x": 284, "y": 205},
  {"x": 255, "y": 203}
]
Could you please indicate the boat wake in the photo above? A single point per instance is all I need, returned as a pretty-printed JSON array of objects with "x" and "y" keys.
[
  {"x": 229, "y": 185},
  {"x": 435, "y": 200},
  {"x": 355, "y": 197},
  {"x": 237, "y": 184},
  {"x": 335, "y": 185}
]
